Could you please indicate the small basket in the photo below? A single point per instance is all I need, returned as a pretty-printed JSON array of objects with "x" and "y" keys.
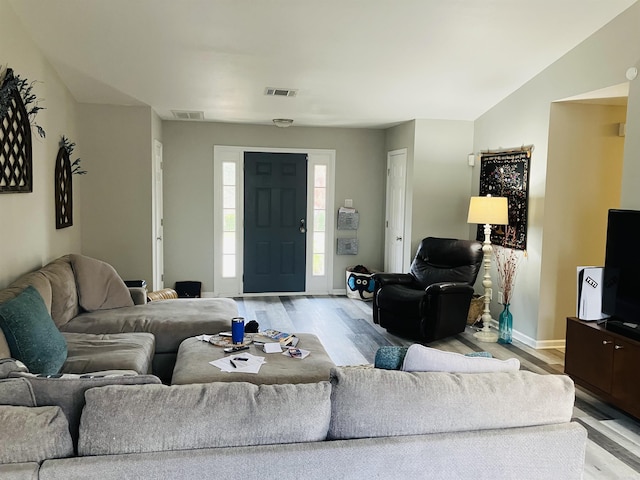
[{"x": 475, "y": 309}]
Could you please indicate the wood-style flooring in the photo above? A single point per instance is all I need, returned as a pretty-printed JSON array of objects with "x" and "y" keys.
[{"x": 350, "y": 337}]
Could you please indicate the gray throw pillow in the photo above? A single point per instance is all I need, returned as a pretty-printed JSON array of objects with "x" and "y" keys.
[
  {"x": 99, "y": 285},
  {"x": 32, "y": 336}
]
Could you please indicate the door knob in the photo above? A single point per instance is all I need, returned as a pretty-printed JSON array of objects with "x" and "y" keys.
[
  {"x": 302, "y": 227},
  {"x": 398, "y": 238}
]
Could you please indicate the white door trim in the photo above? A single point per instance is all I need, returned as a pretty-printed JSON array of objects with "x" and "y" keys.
[
  {"x": 397, "y": 228},
  {"x": 314, "y": 284}
]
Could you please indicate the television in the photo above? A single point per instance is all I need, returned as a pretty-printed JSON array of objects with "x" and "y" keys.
[{"x": 621, "y": 280}]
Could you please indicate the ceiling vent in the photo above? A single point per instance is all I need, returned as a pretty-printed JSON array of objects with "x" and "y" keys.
[
  {"x": 280, "y": 92},
  {"x": 187, "y": 115}
]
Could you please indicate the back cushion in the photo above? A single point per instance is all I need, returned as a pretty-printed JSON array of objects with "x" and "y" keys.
[
  {"x": 64, "y": 295},
  {"x": 152, "y": 418},
  {"x": 67, "y": 392},
  {"x": 16, "y": 391},
  {"x": 376, "y": 403},
  {"x": 33, "y": 434}
]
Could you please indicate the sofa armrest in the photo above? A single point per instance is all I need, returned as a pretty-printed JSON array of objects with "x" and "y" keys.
[
  {"x": 382, "y": 279},
  {"x": 138, "y": 295}
]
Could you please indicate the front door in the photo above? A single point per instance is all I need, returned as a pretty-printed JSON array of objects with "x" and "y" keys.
[{"x": 275, "y": 206}]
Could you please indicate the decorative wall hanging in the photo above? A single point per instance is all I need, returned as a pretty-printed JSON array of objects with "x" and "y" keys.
[
  {"x": 506, "y": 174},
  {"x": 64, "y": 184},
  {"x": 18, "y": 108}
]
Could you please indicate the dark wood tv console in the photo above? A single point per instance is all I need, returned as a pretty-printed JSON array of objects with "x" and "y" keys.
[{"x": 605, "y": 363}]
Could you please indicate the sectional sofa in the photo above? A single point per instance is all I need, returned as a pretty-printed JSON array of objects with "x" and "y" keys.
[
  {"x": 99, "y": 322},
  {"x": 363, "y": 423}
]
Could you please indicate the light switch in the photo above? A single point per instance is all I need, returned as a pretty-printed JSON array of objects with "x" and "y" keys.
[{"x": 348, "y": 202}]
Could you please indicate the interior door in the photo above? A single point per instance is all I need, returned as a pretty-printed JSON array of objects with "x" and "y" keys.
[
  {"x": 275, "y": 206},
  {"x": 158, "y": 221},
  {"x": 395, "y": 211}
]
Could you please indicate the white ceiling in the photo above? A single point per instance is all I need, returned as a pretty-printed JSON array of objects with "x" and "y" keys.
[{"x": 355, "y": 63}]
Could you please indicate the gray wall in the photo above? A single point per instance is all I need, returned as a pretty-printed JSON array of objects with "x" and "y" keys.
[
  {"x": 188, "y": 195},
  {"x": 116, "y": 202}
]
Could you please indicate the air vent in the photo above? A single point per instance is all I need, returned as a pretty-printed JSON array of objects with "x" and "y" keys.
[
  {"x": 280, "y": 92},
  {"x": 187, "y": 115}
]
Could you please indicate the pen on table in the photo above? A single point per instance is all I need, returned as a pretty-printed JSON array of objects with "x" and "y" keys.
[
  {"x": 240, "y": 358},
  {"x": 233, "y": 364}
]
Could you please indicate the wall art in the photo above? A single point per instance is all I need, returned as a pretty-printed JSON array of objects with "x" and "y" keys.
[
  {"x": 506, "y": 174},
  {"x": 18, "y": 108}
]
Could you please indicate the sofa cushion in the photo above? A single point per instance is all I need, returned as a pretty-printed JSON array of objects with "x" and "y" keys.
[
  {"x": 35, "y": 433},
  {"x": 118, "y": 351},
  {"x": 374, "y": 402},
  {"x": 32, "y": 336},
  {"x": 424, "y": 359},
  {"x": 64, "y": 294},
  {"x": 152, "y": 418},
  {"x": 67, "y": 392},
  {"x": 16, "y": 391},
  {"x": 10, "y": 365},
  {"x": 170, "y": 321},
  {"x": 99, "y": 285}
]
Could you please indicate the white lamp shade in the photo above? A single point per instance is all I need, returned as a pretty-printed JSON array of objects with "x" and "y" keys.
[{"x": 488, "y": 210}]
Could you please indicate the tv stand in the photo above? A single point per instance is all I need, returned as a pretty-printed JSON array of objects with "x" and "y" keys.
[{"x": 604, "y": 362}]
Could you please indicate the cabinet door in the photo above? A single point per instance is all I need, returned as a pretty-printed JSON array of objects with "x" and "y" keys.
[
  {"x": 626, "y": 388},
  {"x": 589, "y": 355}
]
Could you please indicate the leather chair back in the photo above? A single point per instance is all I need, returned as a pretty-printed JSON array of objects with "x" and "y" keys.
[{"x": 446, "y": 260}]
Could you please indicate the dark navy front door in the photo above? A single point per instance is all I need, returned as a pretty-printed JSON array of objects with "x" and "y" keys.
[{"x": 275, "y": 209}]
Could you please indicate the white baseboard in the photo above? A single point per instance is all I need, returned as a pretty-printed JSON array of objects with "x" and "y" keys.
[{"x": 538, "y": 344}]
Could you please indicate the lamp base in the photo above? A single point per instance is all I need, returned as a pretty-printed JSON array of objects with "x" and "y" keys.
[{"x": 488, "y": 337}]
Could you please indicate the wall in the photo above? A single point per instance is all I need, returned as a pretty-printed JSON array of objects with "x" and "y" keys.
[
  {"x": 28, "y": 236},
  {"x": 441, "y": 179},
  {"x": 188, "y": 196},
  {"x": 116, "y": 201},
  {"x": 585, "y": 177},
  {"x": 524, "y": 118}
]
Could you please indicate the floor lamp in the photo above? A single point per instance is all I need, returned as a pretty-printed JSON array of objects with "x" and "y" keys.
[{"x": 488, "y": 211}]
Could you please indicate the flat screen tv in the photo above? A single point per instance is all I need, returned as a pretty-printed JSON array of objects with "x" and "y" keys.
[{"x": 621, "y": 282}]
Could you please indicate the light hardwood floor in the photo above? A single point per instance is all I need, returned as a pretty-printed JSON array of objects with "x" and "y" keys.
[{"x": 350, "y": 337}]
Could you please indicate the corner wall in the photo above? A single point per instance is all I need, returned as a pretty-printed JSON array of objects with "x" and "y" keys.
[
  {"x": 524, "y": 118},
  {"x": 28, "y": 235},
  {"x": 116, "y": 202}
]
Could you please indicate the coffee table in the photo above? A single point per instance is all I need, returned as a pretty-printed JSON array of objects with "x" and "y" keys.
[{"x": 192, "y": 364}]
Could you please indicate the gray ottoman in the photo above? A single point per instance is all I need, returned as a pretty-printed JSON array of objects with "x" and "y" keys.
[{"x": 192, "y": 364}]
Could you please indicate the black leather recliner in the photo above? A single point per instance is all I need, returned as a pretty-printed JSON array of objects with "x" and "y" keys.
[{"x": 432, "y": 301}]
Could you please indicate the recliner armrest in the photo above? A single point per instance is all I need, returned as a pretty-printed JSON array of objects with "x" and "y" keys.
[
  {"x": 448, "y": 288},
  {"x": 382, "y": 279}
]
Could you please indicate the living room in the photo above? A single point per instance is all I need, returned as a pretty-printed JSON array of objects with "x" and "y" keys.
[{"x": 116, "y": 145}]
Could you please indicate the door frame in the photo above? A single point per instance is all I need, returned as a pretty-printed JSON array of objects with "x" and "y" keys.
[
  {"x": 314, "y": 284},
  {"x": 157, "y": 216},
  {"x": 406, "y": 234}
]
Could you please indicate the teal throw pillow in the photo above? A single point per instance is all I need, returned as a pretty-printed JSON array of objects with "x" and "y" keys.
[{"x": 32, "y": 336}]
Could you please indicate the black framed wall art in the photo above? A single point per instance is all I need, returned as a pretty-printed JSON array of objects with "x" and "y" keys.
[{"x": 506, "y": 174}]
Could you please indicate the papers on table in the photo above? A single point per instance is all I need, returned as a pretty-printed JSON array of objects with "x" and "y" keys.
[
  {"x": 204, "y": 338},
  {"x": 239, "y": 363},
  {"x": 298, "y": 353}
]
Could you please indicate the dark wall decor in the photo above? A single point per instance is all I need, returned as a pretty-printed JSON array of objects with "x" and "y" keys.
[
  {"x": 18, "y": 108},
  {"x": 506, "y": 174},
  {"x": 63, "y": 183}
]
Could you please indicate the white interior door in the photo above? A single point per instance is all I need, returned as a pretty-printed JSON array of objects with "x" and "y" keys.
[
  {"x": 158, "y": 222},
  {"x": 395, "y": 211}
]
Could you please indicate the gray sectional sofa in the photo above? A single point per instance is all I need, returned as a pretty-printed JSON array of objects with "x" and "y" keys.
[
  {"x": 108, "y": 327},
  {"x": 364, "y": 423}
]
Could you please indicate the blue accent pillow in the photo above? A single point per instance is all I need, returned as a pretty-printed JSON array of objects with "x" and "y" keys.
[{"x": 31, "y": 334}]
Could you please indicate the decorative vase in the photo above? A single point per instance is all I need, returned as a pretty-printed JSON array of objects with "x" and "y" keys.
[{"x": 505, "y": 325}]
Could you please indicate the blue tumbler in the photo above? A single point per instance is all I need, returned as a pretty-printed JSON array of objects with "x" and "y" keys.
[{"x": 237, "y": 330}]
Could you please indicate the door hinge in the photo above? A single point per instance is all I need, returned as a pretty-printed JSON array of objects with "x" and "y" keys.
[
  {"x": 162, "y": 277},
  {"x": 162, "y": 222}
]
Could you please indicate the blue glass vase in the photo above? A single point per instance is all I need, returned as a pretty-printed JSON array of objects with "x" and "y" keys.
[{"x": 505, "y": 325}]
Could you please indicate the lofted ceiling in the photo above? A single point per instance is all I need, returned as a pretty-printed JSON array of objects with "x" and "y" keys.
[{"x": 354, "y": 63}]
